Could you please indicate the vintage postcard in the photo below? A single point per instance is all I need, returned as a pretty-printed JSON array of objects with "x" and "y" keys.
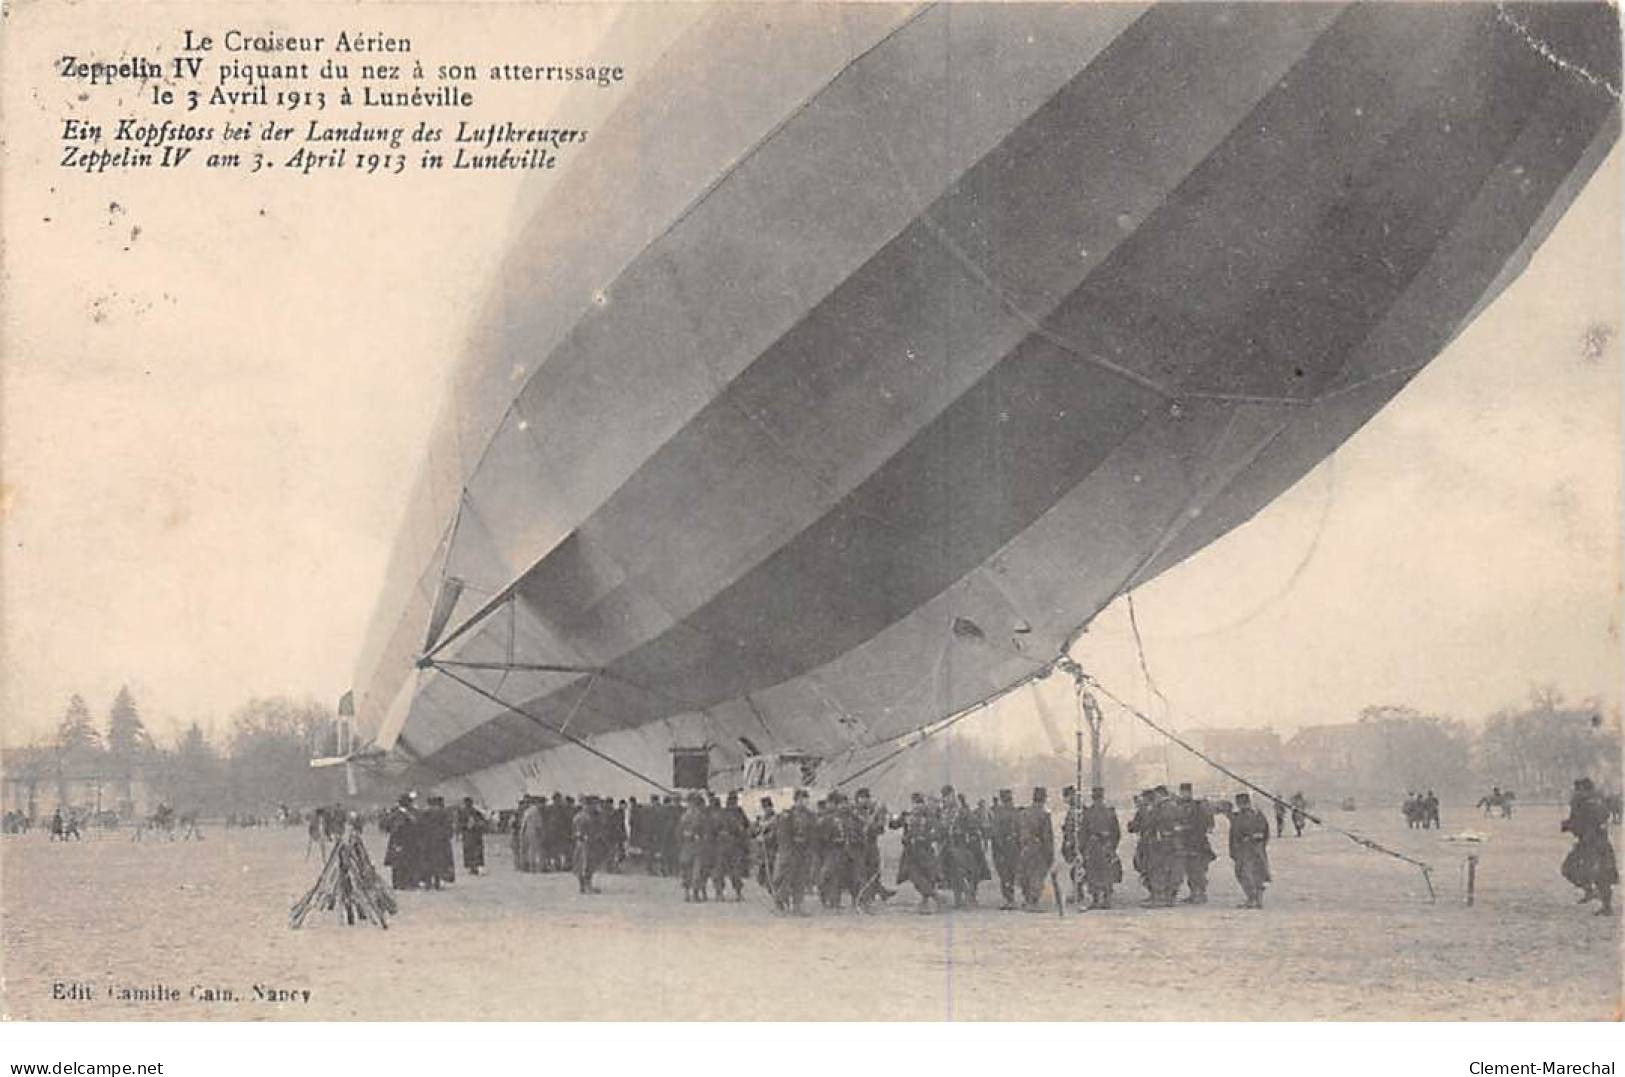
[{"x": 810, "y": 511}]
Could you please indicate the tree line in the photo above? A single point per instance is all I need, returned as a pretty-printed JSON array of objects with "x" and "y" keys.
[
  {"x": 262, "y": 761},
  {"x": 1537, "y": 748}
]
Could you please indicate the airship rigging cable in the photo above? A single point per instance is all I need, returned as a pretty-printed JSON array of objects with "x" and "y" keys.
[
  {"x": 550, "y": 727},
  {"x": 1139, "y": 646}
]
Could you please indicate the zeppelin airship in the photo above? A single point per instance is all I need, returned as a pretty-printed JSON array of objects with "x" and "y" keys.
[{"x": 864, "y": 353}]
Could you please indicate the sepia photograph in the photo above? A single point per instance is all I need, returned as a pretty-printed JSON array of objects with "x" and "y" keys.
[{"x": 809, "y": 511}]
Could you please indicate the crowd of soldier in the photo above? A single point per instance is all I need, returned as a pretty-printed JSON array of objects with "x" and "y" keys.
[
  {"x": 1421, "y": 810},
  {"x": 419, "y": 851},
  {"x": 949, "y": 847}
]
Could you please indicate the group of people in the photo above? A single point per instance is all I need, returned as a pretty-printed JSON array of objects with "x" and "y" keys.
[
  {"x": 833, "y": 848},
  {"x": 949, "y": 847},
  {"x": 419, "y": 851},
  {"x": 1421, "y": 810},
  {"x": 544, "y": 833}
]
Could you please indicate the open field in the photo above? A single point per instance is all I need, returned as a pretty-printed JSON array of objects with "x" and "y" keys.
[{"x": 1346, "y": 934}]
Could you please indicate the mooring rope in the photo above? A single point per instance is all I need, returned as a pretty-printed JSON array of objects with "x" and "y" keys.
[{"x": 1358, "y": 839}]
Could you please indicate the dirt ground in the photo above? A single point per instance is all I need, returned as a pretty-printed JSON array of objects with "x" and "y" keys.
[{"x": 1346, "y": 934}]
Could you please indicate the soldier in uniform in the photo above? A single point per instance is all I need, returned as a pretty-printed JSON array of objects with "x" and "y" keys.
[
  {"x": 1072, "y": 842},
  {"x": 438, "y": 829},
  {"x": 834, "y": 861},
  {"x": 976, "y": 844},
  {"x": 733, "y": 847},
  {"x": 793, "y": 846},
  {"x": 1165, "y": 855},
  {"x": 1140, "y": 826},
  {"x": 710, "y": 846},
  {"x": 472, "y": 824},
  {"x": 958, "y": 856},
  {"x": 1300, "y": 805},
  {"x": 584, "y": 834},
  {"x": 921, "y": 864},
  {"x": 762, "y": 837},
  {"x": 400, "y": 851},
  {"x": 1197, "y": 824},
  {"x": 871, "y": 823},
  {"x": 1101, "y": 833},
  {"x": 1037, "y": 849},
  {"x": 1006, "y": 841},
  {"x": 690, "y": 837},
  {"x": 1249, "y": 852},
  {"x": 1590, "y": 865}
]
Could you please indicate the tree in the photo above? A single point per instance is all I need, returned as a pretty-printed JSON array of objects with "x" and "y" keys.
[
  {"x": 76, "y": 733},
  {"x": 194, "y": 774},
  {"x": 272, "y": 741},
  {"x": 1405, "y": 749},
  {"x": 1540, "y": 750},
  {"x": 127, "y": 736}
]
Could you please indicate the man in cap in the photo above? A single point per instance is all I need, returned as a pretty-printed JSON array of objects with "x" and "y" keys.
[
  {"x": 1139, "y": 825},
  {"x": 834, "y": 857},
  {"x": 1101, "y": 868},
  {"x": 793, "y": 839},
  {"x": 733, "y": 847},
  {"x": 1249, "y": 852},
  {"x": 584, "y": 834},
  {"x": 711, "y": 845},
  {"x": 871, "y": 819},
  {"x": 401, "y": 849},
  {"x": 922, "y": 839},
  {"x": 1165, "y": 854},
  {"x": 1590, "y": 865},
  {"x": 1006, "y": 841},
  {"x": 690, "y": 838},
  {"x": 1037, "y": 850},
  {"x": 762, "y": 840},
  {"x": 1196, "y": 823},
  {"x": 958, "y": 864},
  {"x": 1072, "y": 841},
  {"x": 471, "y": 823}
]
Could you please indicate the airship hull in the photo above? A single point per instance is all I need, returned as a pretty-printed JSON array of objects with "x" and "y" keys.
[{"x": 1015, "y": 308}]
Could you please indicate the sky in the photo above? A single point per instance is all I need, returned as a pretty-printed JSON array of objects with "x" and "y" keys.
[{"x": 212, "y": 407}]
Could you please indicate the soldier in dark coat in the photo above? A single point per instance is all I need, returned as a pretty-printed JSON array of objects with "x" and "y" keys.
[
  {"x": 871, "y": 819},
  {"x": 690, "y": 839},
  {"x": 1196, "y": 824},
  {"x": 961, "y": 841},
  {"x": 1249, "y": 850},
  {"x": 1006, "y": 842},
  {"x": 1139, "y": 825},
  {"x": 1165, "y": 852},
  {"x": 1072, "y": 842},
  {"x": 472, "y": 825},
  {"x": 585, "y": 836},
  {"x": 733, "y": 847},
  {"x": 793, "y": 847},
  {"x": 762, "y": 842},
  {"x": 1037, "y": 855},
  {"x": 439, "y": 857},
  {"x": 921, "y": 863},
  {"x": 1101, "y": 868},
  {"x": 711, "y": 845},
  {"x": 835, "y": 855},
  {"x": 975, "y": 827},
  {"x": 400, "y": 851},
  {"x": 1590, "y": 865}
]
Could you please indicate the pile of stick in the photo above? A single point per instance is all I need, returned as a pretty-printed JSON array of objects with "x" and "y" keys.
[{"x": 349, "y": 884}]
